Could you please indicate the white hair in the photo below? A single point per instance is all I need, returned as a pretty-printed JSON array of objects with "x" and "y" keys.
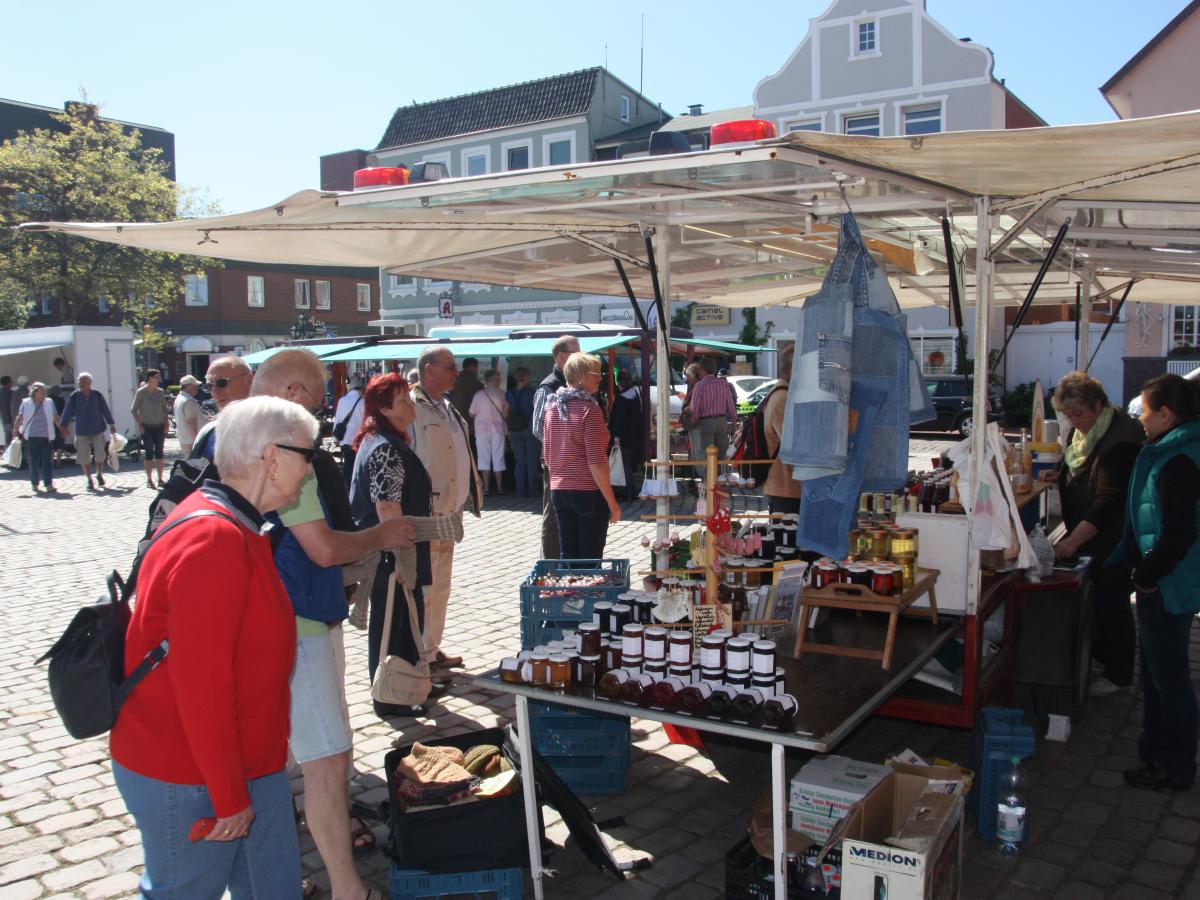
[
  {"x": 245, "y": 428},
  {"x": 83, "y": 375}
]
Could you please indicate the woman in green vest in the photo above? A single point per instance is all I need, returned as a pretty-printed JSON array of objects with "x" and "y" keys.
[{"x": 1160, "y": 549}]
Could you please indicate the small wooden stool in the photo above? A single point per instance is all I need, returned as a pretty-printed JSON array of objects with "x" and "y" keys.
[{"x": 863, "y": 599}]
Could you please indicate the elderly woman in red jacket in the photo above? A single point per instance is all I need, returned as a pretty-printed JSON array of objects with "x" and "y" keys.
[{"x": 204, "y": 736}]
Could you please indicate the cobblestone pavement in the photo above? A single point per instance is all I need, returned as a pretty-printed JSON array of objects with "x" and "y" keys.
[{"x": 64, "y": 831}]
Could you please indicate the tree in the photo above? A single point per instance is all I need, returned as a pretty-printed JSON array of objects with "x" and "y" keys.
[
  {"x": 91, "y": 171},
  {"x": 14, "y": 307}
]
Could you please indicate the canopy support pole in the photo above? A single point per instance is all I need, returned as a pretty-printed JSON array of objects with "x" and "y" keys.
[
  {"x": 1033, "y": 289},
  {"x": 1085, "y": 324},
  {"x": 1112, "y": 320},
  {"x": 644, "y": 343},
  {"x": 952, "y": 272},
  {"x": 979, "y": 387},
  {"x": 662, "y": 360},
  {"x": 637, "y": 310}
]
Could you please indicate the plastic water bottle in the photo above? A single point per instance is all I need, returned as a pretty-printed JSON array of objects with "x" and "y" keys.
[{"x": 1010, "y": 809}]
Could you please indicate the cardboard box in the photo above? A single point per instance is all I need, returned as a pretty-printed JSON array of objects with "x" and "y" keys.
[
  {"x": 826, "y": 788},
  {"x": 904, "y": 840}
]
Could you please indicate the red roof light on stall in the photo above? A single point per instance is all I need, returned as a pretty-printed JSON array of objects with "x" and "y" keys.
[
  {"x": 740, "y": 131},
  {"x": 377, "y": 176}
]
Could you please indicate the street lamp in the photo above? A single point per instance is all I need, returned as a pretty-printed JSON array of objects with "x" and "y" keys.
[{"x": 307, "y": 327}]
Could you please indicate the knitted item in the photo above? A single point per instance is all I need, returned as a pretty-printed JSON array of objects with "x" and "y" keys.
[
  {"x": 433, "y": 765},
  {"x": 485, "y": 760}
]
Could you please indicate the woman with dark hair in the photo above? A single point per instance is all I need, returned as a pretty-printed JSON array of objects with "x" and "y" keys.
[
  {"x": 1159, "y": 550},
  {"x": 1093, "y": 482},
  {"x": 390, "y": 482}
]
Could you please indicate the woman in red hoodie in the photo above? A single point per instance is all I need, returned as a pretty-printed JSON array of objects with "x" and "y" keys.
[{"x": 204, "y": 736}]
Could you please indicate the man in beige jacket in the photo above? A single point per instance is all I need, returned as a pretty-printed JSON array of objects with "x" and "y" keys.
[
  {"x": 441, "y": 439},
  {"x": 782, "y": 490}
]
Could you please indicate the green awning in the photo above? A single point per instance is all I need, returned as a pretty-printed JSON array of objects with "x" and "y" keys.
[
  {"x": 541, "y": 346},
  {"x": 727, "y": 346},
  {"x": 410, "y": 350},
  {"x": 323, "y": 351}
]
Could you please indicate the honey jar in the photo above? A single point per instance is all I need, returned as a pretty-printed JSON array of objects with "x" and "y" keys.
[{"x": 559, "y": 671}]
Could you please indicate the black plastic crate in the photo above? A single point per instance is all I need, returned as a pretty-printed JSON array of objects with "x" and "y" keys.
[{"x": 749, "y": 876}]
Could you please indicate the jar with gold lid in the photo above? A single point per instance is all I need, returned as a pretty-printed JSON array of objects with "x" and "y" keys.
[{"x": 879, "y": 544}]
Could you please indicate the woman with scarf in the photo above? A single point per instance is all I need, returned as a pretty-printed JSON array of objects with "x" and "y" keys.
[
  {"x": 575, "y": 445},
  {"x": 391, "y": 482},
  {"x": 1093, "y": 481},
  {"x": 1159, "y": 551}
]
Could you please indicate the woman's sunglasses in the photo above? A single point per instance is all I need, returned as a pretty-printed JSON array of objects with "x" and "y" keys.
[{"x": 307, "y": 452}]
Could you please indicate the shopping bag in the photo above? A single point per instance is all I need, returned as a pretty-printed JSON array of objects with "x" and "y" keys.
[
  {"x": 13, "y": 455},
  {"x": 616, "y": 468},
  {"x": 397, "y": 681},
  {"x": 111, "y": 458}
]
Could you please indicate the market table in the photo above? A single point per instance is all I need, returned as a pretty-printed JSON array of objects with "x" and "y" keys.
[{"x": 833, "y": 695}]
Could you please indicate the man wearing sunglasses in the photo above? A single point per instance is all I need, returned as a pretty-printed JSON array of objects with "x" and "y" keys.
[
  {"x": 309, "y": 559},
  {"x": 228, "y": 379}
]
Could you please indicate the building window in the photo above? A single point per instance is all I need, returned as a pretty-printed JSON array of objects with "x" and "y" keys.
[
  {"x": 935, "y": 353},
  {"x": 362, "y": 292},
  {"x": 865, "y": 43},
  {"x": 923, "y": 119},
  {"x": 517, "y": 155},
  {"x": 863, "y": 125},
  {"x": 322, "y": 295},
  {"x": 624, "y": 112},
  {"x": 399, "y": 282},
  {"x": 195, "y": 290},
  {"x": 255, "y": 293},
  {"x": 476, "y": 161},
  {"x": 303, "y": 296},
  {"x": 803, "y": 125},
  {"x": 1184, "y": 331},
  {"x": 102, "y": 304},
  {"x": 47, "y": 308},
  {"x": 559, "y": 149}
]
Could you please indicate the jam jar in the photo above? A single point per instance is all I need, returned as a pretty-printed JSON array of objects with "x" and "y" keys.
[
  {"x": 631, "y": 643},
  {"x": 602, "y": 616},
  {"x": 587, "y": 639},
  {"x": 654, "y": 643},
  {"x": 587, "y": 671},
  {"x": 681, "y": 648},
  {"x": 510, "y": 670},
  {"x": 560, "y": 671},
  {"x": 712, "y": 652}
]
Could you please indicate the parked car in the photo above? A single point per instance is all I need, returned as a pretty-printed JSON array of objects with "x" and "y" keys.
[
  {"x": 675, "y": 400},
  {"x": 745, "y": 385},
  {"x": 755, "y": 397},
  {"x": 951, "y": 395},
  {"x": 1135, "y": 405}
]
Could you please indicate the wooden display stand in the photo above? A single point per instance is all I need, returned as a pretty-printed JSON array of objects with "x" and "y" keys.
[{"x": 863, "y": 599}]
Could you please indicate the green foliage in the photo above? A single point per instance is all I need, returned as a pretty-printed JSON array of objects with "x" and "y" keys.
[
  {"x": 681, "y": 316},
  {"x": 995, "y": 379},
  {"x": 14, "y": 308},
  {"x": 1018, "y": 404},
  {"x": 93, "y": 171},
  {"x": 751, "y": 334}
]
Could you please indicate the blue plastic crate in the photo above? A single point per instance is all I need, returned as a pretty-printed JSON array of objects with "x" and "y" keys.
[
  {"x": 1000, "y": 734},
  {"x": 593, "y": 774},
  {"x": 580, "y": 736},
  {"x": 553, "y": 613},
  {"x": 489, "y": 884}
]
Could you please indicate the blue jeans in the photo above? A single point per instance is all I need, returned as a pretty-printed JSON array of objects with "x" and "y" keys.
[
  {"x": 527, "y": 453},
  {"x": 265, "y": 865},
  {"x": 153, "y": 437},
  {"x": 829, "y": 505},
  {"x": 38, "y": 451},
  {"x": 582, "y": 523},
  {"x": 1169, "y": 715}
]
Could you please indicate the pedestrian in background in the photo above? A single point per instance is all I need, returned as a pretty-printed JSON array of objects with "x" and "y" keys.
[
  {"x": 561, "y": 351},
  {"x": 526, "y": 449},
  {"x": 713, "y": 410},
  {"x": 6, "y": 411},
  {"x": 576, "y": 450},
  {"x": 188, "y": 415},
  {"x": 628, "y": 427},
  {"x": 66, "y": 375},
  {"x": 1160, "y": 551},
  {"x": 782, "y": 490},
  {"x": 89, "y": 411},
  {"x": 150, "y": 409},
  {"x": 349, "y": 415},
  {"x": 205, "y": 734},
  {"x": 489, "y": 413},
  {"x": 228, "y": 380},
  {"x": 36, "y": 422}
]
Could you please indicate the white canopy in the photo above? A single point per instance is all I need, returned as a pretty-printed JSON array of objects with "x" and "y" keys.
[{"x": 751, "y": 226}]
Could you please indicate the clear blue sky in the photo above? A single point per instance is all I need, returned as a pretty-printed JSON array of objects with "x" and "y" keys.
[{"x": 255, "y": 91}]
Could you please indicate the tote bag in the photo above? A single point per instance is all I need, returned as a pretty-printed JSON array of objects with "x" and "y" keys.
[
  {"x": 616, "y": 468},
  {"x": 397, "y": 681}
]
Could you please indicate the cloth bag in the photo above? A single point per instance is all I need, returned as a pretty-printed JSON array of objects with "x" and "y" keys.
[
  {"x": 616, "y": 468},
  {"x": 14, "y": 454},
  {"x": 397, "y": 681}
]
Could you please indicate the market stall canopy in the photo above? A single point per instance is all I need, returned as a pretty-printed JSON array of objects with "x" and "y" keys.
[
  {"x": 752, "y": 225},
  {"x": 323, "y": 351},
  {"x": 29, "y": 348}
]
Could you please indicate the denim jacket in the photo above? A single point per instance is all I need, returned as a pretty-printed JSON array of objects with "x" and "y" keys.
[{"x": 855, "y": 388}]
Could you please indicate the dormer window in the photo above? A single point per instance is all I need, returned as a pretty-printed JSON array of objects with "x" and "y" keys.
[{"x": 865, "y": 38}]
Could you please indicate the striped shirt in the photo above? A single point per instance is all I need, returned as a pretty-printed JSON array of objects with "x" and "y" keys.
[
  {"x": 712, "y": 397},
  {"x": 572, "y": 445}
]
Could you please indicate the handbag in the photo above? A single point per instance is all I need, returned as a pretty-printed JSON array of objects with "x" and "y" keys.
[
  {"x": 87, "y": 664},
  {"x": 616, "y": 467},
  {"x": 397, "y": 681},
  {"x": 339, "y": 428},
  {"x": 14, "y": 454}
]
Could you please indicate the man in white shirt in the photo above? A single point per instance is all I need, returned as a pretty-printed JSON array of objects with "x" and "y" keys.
[
  {"x": 350, "y": 413},
  {"x": 188, "y": 415},
  {"x": 440, "y": 437}
]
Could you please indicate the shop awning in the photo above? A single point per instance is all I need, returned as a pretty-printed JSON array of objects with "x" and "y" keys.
[
  {"x": 29, "y": 348},
  {"x": 323, "y": 351},
  {"x": 410, "y": 350},
  {"x": 727, "y": 346}
]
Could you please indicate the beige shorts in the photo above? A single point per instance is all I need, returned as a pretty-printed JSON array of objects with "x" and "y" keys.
[{"x": 90, "y": 447}]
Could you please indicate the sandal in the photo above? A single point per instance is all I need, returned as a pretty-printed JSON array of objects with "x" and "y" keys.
[
  {"x": 362, "y": 837},
  {"x": 308, "y": 888}
]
